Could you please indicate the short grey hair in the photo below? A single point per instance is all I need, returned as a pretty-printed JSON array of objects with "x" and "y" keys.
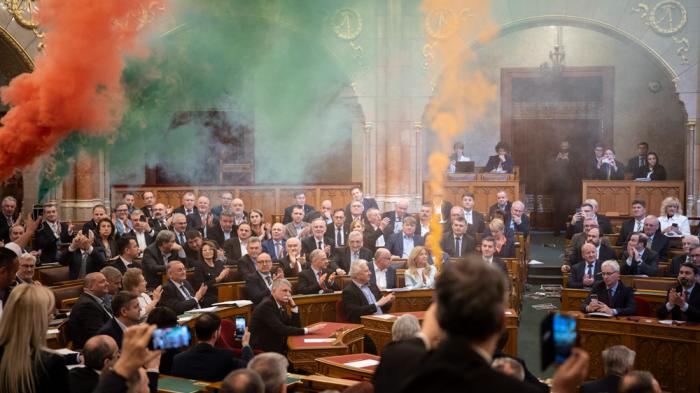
[
  {"x": 618, "y": 359},
  {"x": 355, "y": 267},
  {"x": 406, "y": 326},
  {"x": 254, "y": 239},
  {"x": 178, "y": 215},
  {"x": 612, "y": 263},
  {"x": 164, "y": 236},
  {"x": 111, "y": 272},
  {"x": 272, "y": 368},
  {"x": 27, "y": 257},
  {"x": 314, "y": 254},
  {"x": 517, "y": 369},
  {"x": 279, "y": 282},
  {"x": 355, "y": 234},
  {"x": 692, "y": 239}
]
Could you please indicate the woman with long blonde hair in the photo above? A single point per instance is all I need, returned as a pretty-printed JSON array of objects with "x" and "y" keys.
[
  {"x": 420, "y": 274},
  {"x": 26, "y": 365},
  {"x": 672, "y": 222}
]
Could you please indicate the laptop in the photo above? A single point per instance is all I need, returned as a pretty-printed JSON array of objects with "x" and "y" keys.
[{"x": 464, "y": 167}]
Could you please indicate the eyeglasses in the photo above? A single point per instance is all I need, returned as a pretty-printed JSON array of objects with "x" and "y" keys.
[
  {"x": 608, "y": 273},
  {"x": 27, "y": 266}
]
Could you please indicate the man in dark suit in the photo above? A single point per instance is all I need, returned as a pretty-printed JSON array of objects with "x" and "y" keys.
[
  {"x": 225, "y": 206},
  {"x": 187, "y": 208},
  {"x": 222, "y": 230},
  {"x": 50, "y": 233},
  {"x": 692, "y": 254},
  {"x": 128, "y": 251},
  {"x": 475, "y": 220},
  {"x": 90, "y": 313},
  {"x": 126, "y": 309},
  {"x": 82, "y": 258},
  {"x": 159, "y": 221},
  {"x": 318, "y": 278},
  {"x": 141, "y": 230},
  {"x": 617, "y": 361},
  {"x": 361, "y": 296},
  {"x": 317, "y": 239},
  {"x": 634, "y": 224},
  {"x": 157, "y": 255},
  {"x": 338, "y": 229},
  {"x": 683, "y": 301},
  {"x": 613, "y": 297},
  {"x": 401, "y": 244},
  {"x": 488, "y": 249},
  {"x": 357, "y": 195},
  {"x": 353, "y": 252},
  {"x": 383, "y": 274},
  {"x": 603, "y": 251},
  {"x": 502, "y": 204},
  {"x": 357, "y": 213},
  {"x": 276, "y": 246},
  {"x": 179, "y": 228},
  {"x": 246, "y": 264},
  {"x": 457, "y": 238},
  {"x": 204, "y": 361},
  {"x": 178, "y": 294},
  {"x": 149, "y": 202},
  {"x": 98, "y": 212},
  {"x": 300, "y": 200},
  {"x": 638, "y": 259},
  {"x": 656, "y": 240},
  {"x": 98, "y": 352},
  {"x": 589, "y": 209},
  {"x": 236, "y": 247},
  {"x": 584, "y": 275},
  {"x": 259, "y": 284},
  {"x": 396, "y": 218},
  {"x": 518, "y": 221},
  {"x": 203, "y": 218},
  {"x": 271, "y": 324},
  {"x": 8, "y": 217},
  {"x": 640, "y": 160}
]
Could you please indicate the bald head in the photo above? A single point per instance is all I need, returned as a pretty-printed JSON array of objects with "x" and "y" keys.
[
  {"x": 98, "y": 351},
  {"x": 588, "y": 252}
]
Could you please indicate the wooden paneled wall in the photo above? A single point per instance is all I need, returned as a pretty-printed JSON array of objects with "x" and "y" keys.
[
  {"x": 484, "y": 192},
  {"x": 617, "y": 195}
]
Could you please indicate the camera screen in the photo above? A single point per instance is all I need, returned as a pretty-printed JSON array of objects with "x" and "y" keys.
[{"x": 168, "y": 338}]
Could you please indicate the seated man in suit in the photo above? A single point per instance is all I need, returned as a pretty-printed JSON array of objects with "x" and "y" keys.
[
  {"x": 300, "y": 200},
  {"x": 683, "y": 301},
  {"x": 396, "y": 218},
  {"x": 222, "y": 230},
  {"x": 361, "y": 296},
  {"x": 457, "y": 243},
  {"x": 382, "y": 273},
  {"x": 193, "y": 247},
  {"x": 128, "y": 251},
  {"x": 603, "y": 251},
  {"x": 401, "y": 244},
  {"x": 8, "y": 217},
  {"x": 270, "y": 324},
  {"x": 318, "y": 278},
  {"x": 352, "y": 252},
  {"x": 589, "y": 209},
  {"x": 338, "y": 229},
  {"x": 98, "y": 353},
  {"x": 98, "y": 212},
  {"x": 488, "y": 251},
  {"x": 82, "y": 258},
  {"x": 239, "y": 214},
  {"x": 689, "y": 243},
  {"x": 127, "y": 312},
  {"x": 374, "y": 230},
  {"x": 224, "y": 207},
  {"x": 475, "y": 220},
  {"x": 178, "y": 294},
  {"x": 50, "y": 234},
  {"x": 90, "y": 313},
  {"x": 358, "y": 196},
  {"x": 141, "y": 230},
  {"x": 502, "y": 204},
  {"x": 317, "y": 239},
  {"x": 518, "y": 221},
  {"x": 25, "y": 272},
  {"x": 638, "y": 259},
  {"x": 203, "y": 218},
  {"x": 617, "y": 361},
  {"x": 236, "y": 248},
  {"x": 158, "y": 254},
  {"x": 584, "y": 275},
  {"x": 573, "y": 251},
  {"x": 246, "y": 265},
  {"x": 297, "y": 227},
  {"x": 634, "y": 224},
  {"x": 159, "y": 220},
  {"x": 275, "y": 246},
  {"x": 188, "y": 207},
  {"x": 425, "y": 215},
  {"x": 293, "y": 260},
  {"x": 259, "y": 284},
  {"x": 656, "y": 241},
  {"x": 149, "y": 202},
  {"x": 179, "y": 228},
  {"x": 610, "y": 296},
  {"x": 204, "y": 361},
  {"x": 357, "y": 213}
]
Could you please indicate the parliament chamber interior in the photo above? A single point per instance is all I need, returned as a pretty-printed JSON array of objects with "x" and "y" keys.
[{"x": 349, "y": 196}]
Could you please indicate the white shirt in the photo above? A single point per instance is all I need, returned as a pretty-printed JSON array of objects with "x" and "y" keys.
[
  {"x": 424, "y": 229},
  {"x": 682, "y": 222},
  {"x": 244, "y": 249},
  {"x": 380, "y": 276},
  {"x": 468, "y": 217},
  {"x": 141, "y": 240}
]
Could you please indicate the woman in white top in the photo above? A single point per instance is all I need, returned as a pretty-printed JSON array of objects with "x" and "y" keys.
[
  {"x": 419, "y": 274},
  {"x": 134, "y": 282},
  {"x": 672, "y": 221}
]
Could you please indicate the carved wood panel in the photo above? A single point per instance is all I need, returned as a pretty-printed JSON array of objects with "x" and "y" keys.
[
  {"x": 484, "y": 192},
  {"x": 617, "y": 196}
]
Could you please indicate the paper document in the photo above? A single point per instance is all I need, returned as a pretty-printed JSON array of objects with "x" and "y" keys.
[
  {"x": 52, "y": 331},
  {"x": 201, "y": 310},
  {"x": 363, "y": 363},
  {"x": 385, "y": 316},
  {"x": 237, "y": 303},
  {"x": 318, "y": 340}
]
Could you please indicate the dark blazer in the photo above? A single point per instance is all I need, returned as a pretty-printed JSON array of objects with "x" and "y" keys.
[
  {"x": 175, "y": 300},
  {"x": 256, "y": 288},
  {"x": 607, "y": 384},
  {"x": 506, "y": 211},
  {"x": 181, "y": 210},
  {"x": 494, "y": 160},
  {"x": 270, "y": 327},
  {"x": 106, "y": 254},
  {"x": 618, "y": 174},
  {"x": 452, "y": 366},
  {"x": 626, "y": 230},
  {"x": 153, "y": 265},
  {"x": 46, "y": 241},
  {"x": 507, "y": 250},
  {"x": 623, "y": 299},
  {"x": 118, "y": 263},
  {"x": 288, "y": 213},
  {"x": 603, "y": 224},
  {"x": 478, "y": 223},
  {"x": 85, "y": 320},
  {"x": 91, "y": 225},
  {"x": 523, "y": 227},
  {"x": 370, "y": 236},
  {"x": 288, "y": 272},
  {"x": 268, "y": 247},
  {"x": 389, "y": 229},
  {"x": 659, "y": 173},
  {"x": 83, "y": 380},
  {"x": 157, "y": 225},
  {"x": 693, "y": 312},
  {"x": 447, "y": 244},
  {"x": 246, "y": 267},
  {"x": 112, "y": 329},
  {"x": 204, "y": 362},
  {"x": 308, "y": 244},
  {"x": 660, "y": 244},
  {"x": 73, "y": 259},
  {"x": 356, "y": 305},
  {"x": 398, "y": 362},
  {"x": 604, "y": 254},
  {"x": 112, "y": 383},
  {"x": 204, "y": 274},
  {"x": 395, "y": 243},
  {"x": 5, "y": 228},
  {"x": 649, "y": 266},
  {"x": 578, "y": 272},
  {"x": 52, "y": 377},
  {"x": 307, "y": 284},
  {"x": 232, "y": 249},
  {"x": 149, "y": 239},
  {"x": 331, "y": 232},
  {"x": 342, "y": 260},
  {"x": 390, "y": 275},
  {"x": 675, "y": 265},
  {"x": 368, "y": 203},
  {"x": 499, "y": 263},
  {"x": 634, "y": 167}
]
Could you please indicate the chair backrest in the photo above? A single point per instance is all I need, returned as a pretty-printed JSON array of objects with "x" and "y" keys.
[
  {"x": 68, "y": 303},
  {"x": 400, "y": 278},
  {"x": 69, "y": 292},
  {"x": 654, "y": 284},
  {"x": 227, "y": 338},
  {"x": 643, "y": 307},
  {"x": 53, "y": 275},
  {"x": 340, "y": 311}
]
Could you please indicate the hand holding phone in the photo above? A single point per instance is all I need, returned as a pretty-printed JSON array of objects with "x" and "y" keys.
[
  {"x": 557, "y": 338},
  {"x": 241, "y": 328}
]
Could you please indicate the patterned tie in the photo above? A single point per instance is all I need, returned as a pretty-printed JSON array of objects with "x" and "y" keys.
[
  {"x": 318, "y": 276},
  {"x": 268, "y": 280},
  {"x": 182, "y": 239},
  {"x": 638, "y": 226},
  {"x": 83, "y": 264}
]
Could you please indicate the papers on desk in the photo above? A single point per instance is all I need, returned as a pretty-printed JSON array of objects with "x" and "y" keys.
[
  {"x": 363, "y": 363},
  {"x": 599, "y": 314},
  {"x": 53, "y": 331},
  {"x": 236, "y": 303},
  {"x": 404, "y": 289},
  {"x": 185, "y": 319},
  {"x": 318, "y": 340},
  {"x": 384, "y": 316},
  {"x": 63, "y": 351},
  {"x": 201, "y": 310}
]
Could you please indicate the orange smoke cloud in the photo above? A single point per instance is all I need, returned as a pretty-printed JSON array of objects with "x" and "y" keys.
[
  {"x": 462, "y": 92},
  {"x": 76, "y": 82}
]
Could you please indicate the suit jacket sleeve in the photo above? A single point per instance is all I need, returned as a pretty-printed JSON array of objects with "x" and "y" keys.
[
  {"x": 151, "y": 264},
  {"x": 354, "y": 304},
  {"x": 171, "y": 299},
  {"x": 662, "y": 312},
  {"x": 256, "y": 288},
  {"x": 629, "y": 304},
  {"x": 651, "y": 265},
  {"x": 576, "y": 277},
  {"x": 307, "y": 284},
  {"x": 271, "y": 318}
]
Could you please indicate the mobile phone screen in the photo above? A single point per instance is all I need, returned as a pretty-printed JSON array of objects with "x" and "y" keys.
[
  {"x": 37, "y": 211},
  {"x": 240, "y": 327},
  {"x": 564, "y": 332},
  {"x": 169, "y": 338}
]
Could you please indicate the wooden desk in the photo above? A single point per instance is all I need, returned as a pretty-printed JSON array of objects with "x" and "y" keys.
[
  {"x": 671, "y": 353},
  {"x": 317, "y": 308},
  {"x": 617, "y": 195},
  {"x": 336, "y": 366},
  {"x": 223, "y": 313},
  {"x": 484, "y": 191},
  {"x": 571, "y": 299},
  {"x": 413, "y": 300},
  {"x": 349, "y": 339}
]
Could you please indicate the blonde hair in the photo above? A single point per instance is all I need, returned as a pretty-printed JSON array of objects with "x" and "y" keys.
[
  {"x": 131, "y": 279},
  {"x": 355, "y": 224},
  {"x": 668, "y": 201},
  {"x": 23, "y": 336},
  {"x": 411, "y": 263},
  {"x": 496, "y": 224}
]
